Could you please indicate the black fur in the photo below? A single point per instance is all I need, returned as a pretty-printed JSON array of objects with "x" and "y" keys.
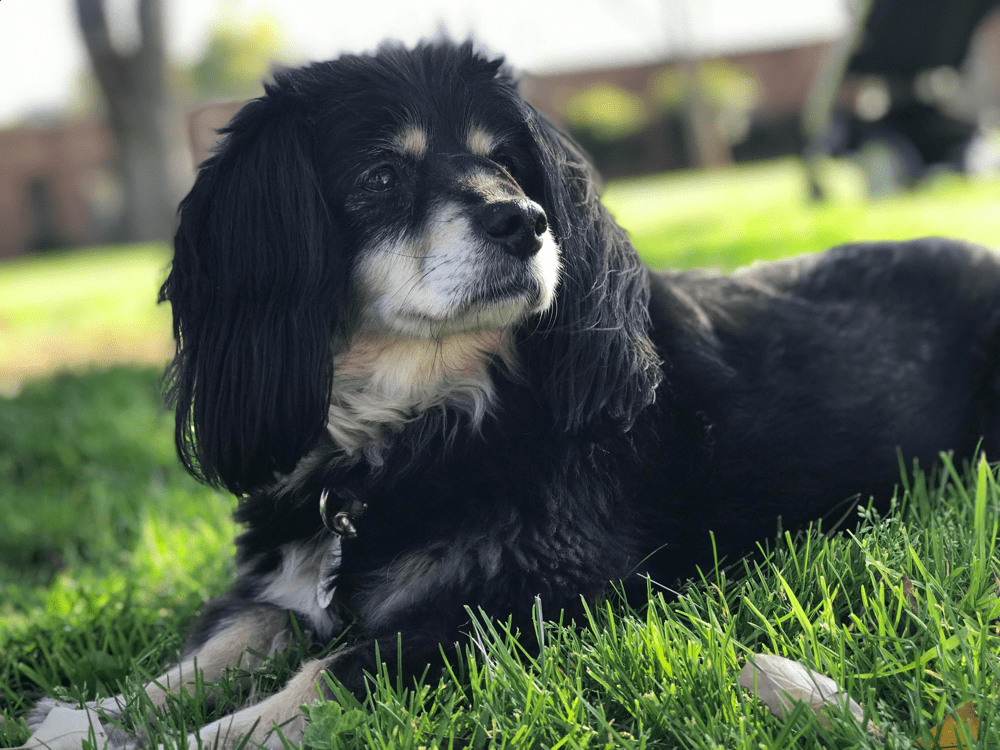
[
  {"x": 649, "y": 409},
  {"x": 253, "y": 321}
]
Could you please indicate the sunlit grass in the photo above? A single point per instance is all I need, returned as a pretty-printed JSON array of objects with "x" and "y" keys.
[
  {"x": 108, "y": 546},
  {"x": 731, "y": 217},
  {"x": 83, "y": 307}
]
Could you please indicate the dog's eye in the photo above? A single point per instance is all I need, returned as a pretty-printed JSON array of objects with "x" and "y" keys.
[
  {"x": 509, "y": 163},
  {"x": 379, "y": 180}
]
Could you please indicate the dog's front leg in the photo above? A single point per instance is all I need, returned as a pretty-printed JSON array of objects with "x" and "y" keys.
[
  {"x": 273, "y": 721},
  {"x": 226, "y": 642},
  {"x": 279, "y": 717}
]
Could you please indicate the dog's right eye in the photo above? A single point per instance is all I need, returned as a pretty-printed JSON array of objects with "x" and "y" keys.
[
  {"x": 509, "y": 164},
  {"x": 379, "y": 180}
]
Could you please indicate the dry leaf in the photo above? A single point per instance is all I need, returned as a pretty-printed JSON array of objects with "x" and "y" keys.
[
  {"x": 948, "y": 736},
  {"x": 908, "y": 593},
  {"x": 66, "y": 729},
  {"x": 780, "y": 683}
]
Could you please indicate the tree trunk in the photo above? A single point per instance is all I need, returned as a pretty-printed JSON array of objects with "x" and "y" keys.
[
  {"x": 142, "y": 115},
  {"x": 703, "y": 143}
]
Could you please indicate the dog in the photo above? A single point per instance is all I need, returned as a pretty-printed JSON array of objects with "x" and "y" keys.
[{"x": 437, "y": 375}]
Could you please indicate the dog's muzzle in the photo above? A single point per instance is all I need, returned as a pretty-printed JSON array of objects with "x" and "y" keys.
[{"x": 517, "y": 226}]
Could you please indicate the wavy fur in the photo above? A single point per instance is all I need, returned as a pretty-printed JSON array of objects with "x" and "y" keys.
[{"x": 256, "y": 286}]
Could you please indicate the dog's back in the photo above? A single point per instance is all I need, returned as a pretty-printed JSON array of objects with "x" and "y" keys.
[{"x": 802, "y": 381}]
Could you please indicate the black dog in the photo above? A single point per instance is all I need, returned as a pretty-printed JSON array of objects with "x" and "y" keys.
[{"x": 436, "y": 373}]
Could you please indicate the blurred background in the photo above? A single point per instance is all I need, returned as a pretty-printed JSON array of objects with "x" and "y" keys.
[
  {"x": 727, "y": 131},
  {"x": 107, "y": 106}
]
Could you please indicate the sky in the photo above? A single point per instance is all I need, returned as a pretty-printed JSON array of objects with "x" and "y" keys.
[{"x": 41, "y": 54}]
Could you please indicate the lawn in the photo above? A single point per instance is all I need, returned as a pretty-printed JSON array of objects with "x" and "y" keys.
[
  {"x": 109, "y": 548},
  {"x": 82, "y": 308}
]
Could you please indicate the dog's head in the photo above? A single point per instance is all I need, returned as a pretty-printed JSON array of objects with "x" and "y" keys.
[{"x": 408, "y": 195}]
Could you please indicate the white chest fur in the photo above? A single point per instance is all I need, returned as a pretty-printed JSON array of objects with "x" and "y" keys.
[
  {"x": 304, "y": 583},
  {"x": 382, "y": 382}
]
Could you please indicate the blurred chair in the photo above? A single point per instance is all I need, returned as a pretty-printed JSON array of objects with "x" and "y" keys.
[
  {"x": 203, "y": 128},
  {"x": 898, "y": 63}
]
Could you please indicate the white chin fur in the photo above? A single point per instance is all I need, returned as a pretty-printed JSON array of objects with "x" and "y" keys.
[
  {"x": 546, "y": 269},
  {"x": 491, "y": 317}
]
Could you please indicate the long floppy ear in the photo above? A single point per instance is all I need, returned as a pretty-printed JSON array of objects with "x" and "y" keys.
[
  {"x": 596, "y": 362},
  {"x": 254, "y": 287}
]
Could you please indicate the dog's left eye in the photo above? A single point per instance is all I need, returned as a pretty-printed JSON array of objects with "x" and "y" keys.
[
  {"x": 379, "y": 180},
  {"x": 509, "y": 164}
]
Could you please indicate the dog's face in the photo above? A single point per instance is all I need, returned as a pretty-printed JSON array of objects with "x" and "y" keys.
[
  {"x": 446, "y": 236},
  {"x": 407, "y": 206},
  {"x": 426, "y": 163}
]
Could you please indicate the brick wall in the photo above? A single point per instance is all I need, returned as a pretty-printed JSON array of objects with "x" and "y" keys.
[{"x": 55, "y": 183}]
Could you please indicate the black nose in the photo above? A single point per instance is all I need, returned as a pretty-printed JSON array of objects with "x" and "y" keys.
[{"x": 517, "y": 226}]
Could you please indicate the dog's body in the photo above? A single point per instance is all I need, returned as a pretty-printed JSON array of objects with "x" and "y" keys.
[{"x": 403, "y": 314}]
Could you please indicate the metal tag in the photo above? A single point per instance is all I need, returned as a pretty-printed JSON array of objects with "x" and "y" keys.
[{"x": 326, "y": 587}]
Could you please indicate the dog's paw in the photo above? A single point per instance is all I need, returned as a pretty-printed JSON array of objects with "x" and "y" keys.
[
  {"x": 65, "y": 728},
  {"x": 42, "y": 709},
  {"x": 109, "y": 708}
]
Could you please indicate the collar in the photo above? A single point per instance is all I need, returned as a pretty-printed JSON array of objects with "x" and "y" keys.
[{"x": 343, "y": 522}]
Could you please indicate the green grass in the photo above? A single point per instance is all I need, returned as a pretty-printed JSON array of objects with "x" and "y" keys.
[
  {"x": 728, "y": 218},
  {"x": 108, "y": 548},
  {"x": 80, "y": 308}
]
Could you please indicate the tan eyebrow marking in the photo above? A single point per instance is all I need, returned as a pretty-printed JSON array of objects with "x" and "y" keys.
[
  {"x": 480, "y": 142},
  {"x": 488, "y": 186},
  {"x": 412, "y": 140}
]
